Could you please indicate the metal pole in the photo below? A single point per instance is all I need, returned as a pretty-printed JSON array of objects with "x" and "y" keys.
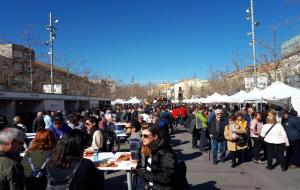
[
  {"x": 253, "y": 44},
  {"x": 51, "y": 52}
]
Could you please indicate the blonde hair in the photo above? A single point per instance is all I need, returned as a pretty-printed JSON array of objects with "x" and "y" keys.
[
  {"x": 273, "y": 120},
  {"x": 146, "y": 150}
]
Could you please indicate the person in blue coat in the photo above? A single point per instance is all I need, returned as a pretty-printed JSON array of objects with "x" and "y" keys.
[{"x": 59, "y": 128}]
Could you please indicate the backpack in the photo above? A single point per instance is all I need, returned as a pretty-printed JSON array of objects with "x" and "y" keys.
[
  {"x": 61, "y": 184},
  {"x": 38, "y": 177}
]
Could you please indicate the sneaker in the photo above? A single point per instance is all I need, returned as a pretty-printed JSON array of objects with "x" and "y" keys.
[
  {"x": 255, "y": 161},
  {"x": 233, "y": 165},
  {"x": 260, "y": 162},
  {"x": 292, "y": 166}
]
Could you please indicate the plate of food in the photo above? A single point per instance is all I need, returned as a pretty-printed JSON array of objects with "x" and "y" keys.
[
  {"x": 123, "y": 157},
  {"x": 107, "y": 164}
]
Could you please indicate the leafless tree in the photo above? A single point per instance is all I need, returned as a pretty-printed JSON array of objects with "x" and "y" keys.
[
  {"x": 270, "y": 62},
  {"x": 31, "y": 42},
  {"x": 71, "y": 69}
]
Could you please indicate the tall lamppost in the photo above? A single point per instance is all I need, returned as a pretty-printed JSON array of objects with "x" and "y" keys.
[
  {"x": 250, "y": 15},
  {"x": 50, "y": 43}
]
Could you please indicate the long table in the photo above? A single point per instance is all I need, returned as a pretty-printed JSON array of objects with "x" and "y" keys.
[{"x": 122, "y": 165}]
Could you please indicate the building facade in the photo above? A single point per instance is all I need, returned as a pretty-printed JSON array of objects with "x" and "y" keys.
[
  {"x": 21, "y": 73},
  {"x": 15, "y": 63},
  {"x": 187, "y": 89}
]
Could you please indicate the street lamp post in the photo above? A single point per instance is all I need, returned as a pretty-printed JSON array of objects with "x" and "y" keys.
[
  {"x": 50, "y": 43},
  {"x": 249, "y": 16}
]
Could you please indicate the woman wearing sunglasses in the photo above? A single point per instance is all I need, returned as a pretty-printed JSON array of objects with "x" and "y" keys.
[{"x": 160, "y": 171}]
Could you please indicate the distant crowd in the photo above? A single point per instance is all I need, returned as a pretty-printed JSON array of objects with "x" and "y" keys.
[{"x": 54, "y": 158}]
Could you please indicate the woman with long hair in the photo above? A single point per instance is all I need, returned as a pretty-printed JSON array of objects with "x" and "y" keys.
[
  {"x": 161, "y": 165},
  {"x": 276, "y": 139},
  {"x": 91, "y": 128},
  {"x": 256, "y": 126},
  {"x": 67, "y": 159},
  {"x": 37, "y": 154}
]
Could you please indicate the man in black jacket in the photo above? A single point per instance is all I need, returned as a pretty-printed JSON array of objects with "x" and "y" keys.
[
  {"x": 12, "y": 173},
  {"x": 216, "y": 132},
  {"x": 38, "y": 122}
]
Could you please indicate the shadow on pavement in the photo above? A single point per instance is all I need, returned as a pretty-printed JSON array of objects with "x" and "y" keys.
[
  {"x": 177, "y": 142},
  {"x": 186, "y": 157},
  {"x": 210, "y": 185},
  {"x": 178, "y": 131}
]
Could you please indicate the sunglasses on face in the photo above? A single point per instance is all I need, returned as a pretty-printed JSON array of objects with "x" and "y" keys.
[
  {"x": 88, "y": 124},
  {"x": 219, "y": 113},
  {"x": 57, "y": 123},
  {"x": 145, "y": 136}
]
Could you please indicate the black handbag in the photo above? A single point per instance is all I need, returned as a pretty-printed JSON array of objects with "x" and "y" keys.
[{"x": 242, "y": 140}]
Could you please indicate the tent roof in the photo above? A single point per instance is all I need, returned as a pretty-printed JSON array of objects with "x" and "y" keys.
[
  {"x": 254, "y": 94},
  {"x": 238, "y": 97},
  {"x": 279, "y": 90}
]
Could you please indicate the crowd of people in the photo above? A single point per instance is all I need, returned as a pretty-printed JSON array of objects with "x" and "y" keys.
[
  {"x": 55, "y": 157},
  {"x": 248, "y": 135}
]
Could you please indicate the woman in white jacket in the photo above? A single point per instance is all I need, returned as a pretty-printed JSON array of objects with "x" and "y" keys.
[{"x": 276, "y": 140}]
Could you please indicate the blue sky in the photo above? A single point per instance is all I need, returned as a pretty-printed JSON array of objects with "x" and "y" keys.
[{"x": 154, "y": 40}]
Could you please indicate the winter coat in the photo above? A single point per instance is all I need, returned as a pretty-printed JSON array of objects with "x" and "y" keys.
[
  {"x": 292, "y": 128},
  {"x": 12, "y": 174},
  {"x": 38, "y": 123},
  {"x": 38, "y": 157},
  {"x": 163, "y": 167},
  {"x": 202, "y": 119},
  {"x": 192, "y": 124},
  {"x": 59, "y": 132},
  {"x": 276, "y": 135},
  {"x": 87, "y": 177},
  {"x": 217, "y": 134},
  {"x": 243, "y": 123},
  {"x": 231, "y": 142}
]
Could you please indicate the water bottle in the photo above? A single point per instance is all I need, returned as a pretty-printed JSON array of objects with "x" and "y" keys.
[
  {"x": 95, "y": 154},
  {"x": 108, "y": 145},
  {"x": 134, "y": 148}
]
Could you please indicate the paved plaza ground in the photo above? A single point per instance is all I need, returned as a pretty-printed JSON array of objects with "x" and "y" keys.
[{"x": 202, "y": 174}]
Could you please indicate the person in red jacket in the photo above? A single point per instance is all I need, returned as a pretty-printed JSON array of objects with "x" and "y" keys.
[
  {"x": 183, "y": 112},
  {"x": 176, "y": 114}
]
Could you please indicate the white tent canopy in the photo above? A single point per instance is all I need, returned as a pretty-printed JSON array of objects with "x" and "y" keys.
[
  {"x": 238, "y": 97},
  {"x": 133, "y": 100},
  {"x": 279, "y": 91},
  {"x": 253, "y": 95},
  {"x": 118, "y": 101},
  {"x": 216, "y": 98}
]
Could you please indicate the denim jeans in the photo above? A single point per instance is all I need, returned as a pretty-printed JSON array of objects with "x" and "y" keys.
[
  {"x": 203, "y": 139},
  {"x": 222, "y": 149}
]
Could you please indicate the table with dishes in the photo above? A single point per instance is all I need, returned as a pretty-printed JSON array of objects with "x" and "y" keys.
[{"x": 113, "y": 162}]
